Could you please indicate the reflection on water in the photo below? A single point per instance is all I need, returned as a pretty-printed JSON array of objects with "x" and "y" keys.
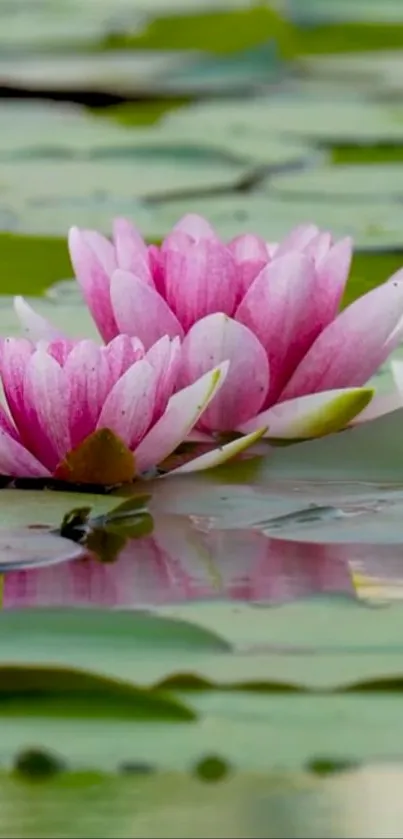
[
  {"x": 354, "y": 805},
  {"x": 184, "y": 559}
]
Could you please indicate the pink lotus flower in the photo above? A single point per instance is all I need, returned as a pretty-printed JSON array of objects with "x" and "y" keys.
[
  {"x": 99, "y": 414},
  {"x": 296, "y": 365}
]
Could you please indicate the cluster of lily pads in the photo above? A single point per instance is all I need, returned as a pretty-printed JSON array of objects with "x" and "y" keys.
[{"x": 212, "y": 344}]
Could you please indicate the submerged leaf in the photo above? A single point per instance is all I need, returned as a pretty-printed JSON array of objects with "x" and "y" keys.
[{"x": 102, "y": 458}]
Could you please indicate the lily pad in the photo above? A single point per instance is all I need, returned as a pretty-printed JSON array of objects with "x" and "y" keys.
[
  {"x": 319, "y": 121},
  {"x": 376, "y": 72},
  {"x": 248, "y": 143},
  {"x": 373, "y": 226},
  {"x": 348, "y": 184},
  {"x": 44, "y": 130},
  {"x": 47, "y": 198},
  {"x": 29, "y": 524},
  {"x": 47, "y": 508},
  {"x": 216, "y": 30},
  {"x": 44, "y": 22},
  {"x": 317, "y": 11},
  {"x": 114, "y": 72},
  {"x": 22, "y": 548}
]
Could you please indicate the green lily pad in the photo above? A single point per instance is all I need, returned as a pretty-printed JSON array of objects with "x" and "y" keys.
[
  {"x": 47, "y": 508},
  {"x": 28, "y": 527},
  {"x": 373, "y": 226},
  {"x": 22, "y": 548},
  {"x": 249, "y": 144},
  {"x": 377, "y": 72},
  {"x": 113, "y": 71},
  {"x": 48, "y": 198},
  {"x": 323, "y": 122},
  {"x": 216, "y": 30},
  {"x": 348, "y": 184},
  {"x": 25, "y": 25},
  {"x": 61, "y": 131},
  {"x": 337, "y": 645},
  {"x": 354, "y": 723},
  {"x": 317, "y": 11}
]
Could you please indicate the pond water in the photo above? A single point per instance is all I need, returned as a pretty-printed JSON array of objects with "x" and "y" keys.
[{"x": 226, "y": 658}]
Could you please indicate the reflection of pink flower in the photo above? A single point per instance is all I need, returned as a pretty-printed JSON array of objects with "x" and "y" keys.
[
  {"x": 296, "y": 365},
  {"x": 60, "y": 393},
  {"x": 181, "y": 562}
]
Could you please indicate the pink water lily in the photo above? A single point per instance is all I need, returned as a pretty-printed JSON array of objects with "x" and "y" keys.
[
  {"x": 297, "y": 365},
  {"x": 60, "y": 394}
]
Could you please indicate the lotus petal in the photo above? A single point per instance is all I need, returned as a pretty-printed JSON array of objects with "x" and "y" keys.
[{"x": 181, "y": 415}]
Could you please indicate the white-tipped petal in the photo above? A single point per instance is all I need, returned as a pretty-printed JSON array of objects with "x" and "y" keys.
[
  {"x": 181, "y": 415},
  {"x": 34, "y": 326},
  {"x": 219, "y": 456}
]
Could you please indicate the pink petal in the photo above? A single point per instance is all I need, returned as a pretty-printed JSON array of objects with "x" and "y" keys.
[
  {"x": 15, "y": 355},
  {"x": 298, "y": 239},
  {"x": 17, "y": 461},
  {"x": 121, "y": 353},
  {"x": 94, "y": 280},
  {"x": 7, "y": 425},
  {"x": 318, "y": 247},
  {"x": 217, "y": 338},
  {"x": 251, "y": 255},
  {"x": 102, "y": 248},
  {"x": 352, "y": 347},
  {"x": 196, "y": 227},
  {"x": 176, "y": 240},
  {"x": 140, "y": 311},
  {"x": 183, "y": 411},
  {"x": 129, "y": 408},
  {"x": 165, "y": 358},
  {"x": 131, "y": 250},
  {"x": 272, "y": 247},
  {"x": 46, "y": 402},
  {"x": 35, "y": 326},
  {"x": 156, "y": 262},
  {"x": 88, "y": 377},
  {"x": 200, "y": 280},
  {"x": 58, "y": 349},
  {"x": 281, "y": 309},
  {"x": 333, "y": 269}
]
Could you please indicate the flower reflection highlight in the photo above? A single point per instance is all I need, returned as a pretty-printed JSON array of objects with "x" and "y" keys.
[{"x": 185, "y": 560}]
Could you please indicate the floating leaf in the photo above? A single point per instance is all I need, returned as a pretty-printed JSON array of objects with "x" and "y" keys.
[
  {"x": 374, "y": 226},
  {"x": 346, "y": 184},
  {"x": 102, "y": 458},
  {"x": 43, "y": 197},
  {"x": 30, "y": 548}
]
